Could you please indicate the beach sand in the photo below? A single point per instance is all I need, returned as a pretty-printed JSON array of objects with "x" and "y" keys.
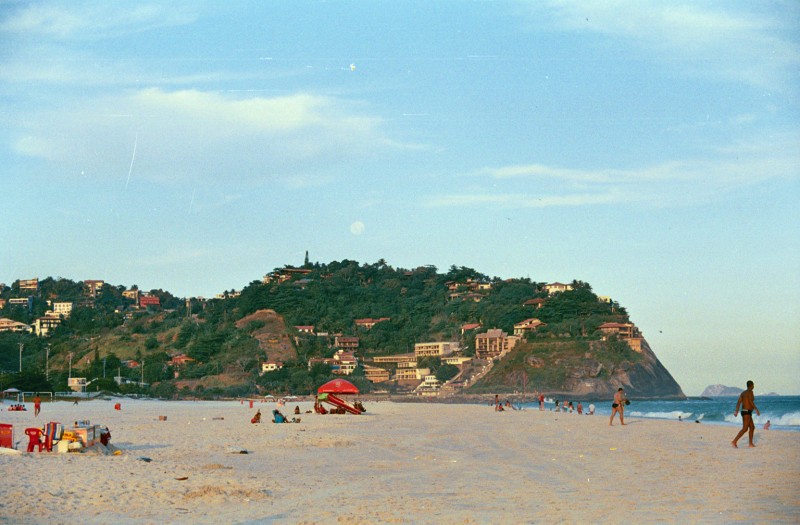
[{"x": 398, "y": 463}]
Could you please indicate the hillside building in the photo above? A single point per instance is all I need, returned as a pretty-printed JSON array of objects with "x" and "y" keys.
[
  {"x": 436, "y": 349},
  {"x": 527, "y": 326},
  {"x": 9, "y": 325},
  {"x": 493, "y": 343}
]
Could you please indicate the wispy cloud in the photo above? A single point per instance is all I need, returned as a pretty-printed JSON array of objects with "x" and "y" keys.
[
  {"x": 756, "y": 47},
  {"x": 687, "y": 182},
  {"x": 91, "y": 20},
  {"x": 204, "y": 136}
]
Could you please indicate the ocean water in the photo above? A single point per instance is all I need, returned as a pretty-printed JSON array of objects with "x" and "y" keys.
[{"x": 783, "y": 412}]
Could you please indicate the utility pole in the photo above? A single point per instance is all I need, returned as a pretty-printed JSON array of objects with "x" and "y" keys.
[
  {"x": 141, "y": 385},
  {"x": 70, "y": 365},
  {"x": 47, "y": 364},
  {"x": 21, "y": 346},
  {"x": 104, "y": 367}
]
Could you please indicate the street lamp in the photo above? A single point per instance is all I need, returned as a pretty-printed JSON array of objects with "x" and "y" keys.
[
  {"x": 70, "y": 365},
  {"x": 21, "y": 346},
  {"x": 47, "y": 364}
]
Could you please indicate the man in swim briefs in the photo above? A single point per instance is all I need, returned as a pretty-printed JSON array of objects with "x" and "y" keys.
[
  {"x": 747, "y": 402},
  {"x": 618, "y": 406}
]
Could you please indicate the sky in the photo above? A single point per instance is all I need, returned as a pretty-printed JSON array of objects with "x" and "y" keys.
[{"x": 649, "y": 148}]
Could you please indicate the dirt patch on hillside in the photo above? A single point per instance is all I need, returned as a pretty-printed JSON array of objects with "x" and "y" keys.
[{"x": 269, "y": 329}]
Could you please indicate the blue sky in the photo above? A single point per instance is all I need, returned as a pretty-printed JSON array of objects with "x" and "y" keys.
[{"x": 651, "y": 149}]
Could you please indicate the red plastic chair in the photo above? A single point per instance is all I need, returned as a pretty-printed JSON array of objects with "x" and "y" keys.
[{"x": 35, "y": 436}]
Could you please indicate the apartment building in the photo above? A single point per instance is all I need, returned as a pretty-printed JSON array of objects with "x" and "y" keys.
[{"x": 434, "y": 349}]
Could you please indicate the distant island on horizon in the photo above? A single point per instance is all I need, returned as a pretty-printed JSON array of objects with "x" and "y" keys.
[{"x": 725, "y": 391}]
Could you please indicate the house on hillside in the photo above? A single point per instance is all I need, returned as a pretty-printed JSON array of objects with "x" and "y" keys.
[
  {"x": 24, "y": 302},
  {"x": 9, "y": 325},
  {"x": 624, "y": 331},
  {"x": 92, "y": 287},
  {"x": 492, "y": 343},
  {"x": 368, "y": 323},
  {"x": 44, "y": 325},
  {"x": 527, "y": 326},
  {"x": 535, "y": 303},
  {"x": 31, "y": 285},
  {"x": 270, "y": 366},
  {"x": 342, "y": 363},
  {"x": 149, "y": 300},
  {"x": 345, "y": 342},
  {"x": 554, "y": 288},
  {"x": 468, "y": 327}
]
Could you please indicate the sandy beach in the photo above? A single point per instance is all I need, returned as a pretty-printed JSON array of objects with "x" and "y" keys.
[{"x": 398, "y": 463}]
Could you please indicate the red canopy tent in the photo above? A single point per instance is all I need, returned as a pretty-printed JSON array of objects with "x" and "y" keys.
[{"x": 338, "y": 386}]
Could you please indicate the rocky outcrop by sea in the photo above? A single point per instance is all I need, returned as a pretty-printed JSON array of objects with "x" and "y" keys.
[{"x": 721, "y": 390}]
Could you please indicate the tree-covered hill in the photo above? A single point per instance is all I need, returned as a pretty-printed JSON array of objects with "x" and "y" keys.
[{"x": 225, "y": 338}]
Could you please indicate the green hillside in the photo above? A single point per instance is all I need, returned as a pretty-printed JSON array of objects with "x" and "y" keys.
[{"x": 421, "y": 304}]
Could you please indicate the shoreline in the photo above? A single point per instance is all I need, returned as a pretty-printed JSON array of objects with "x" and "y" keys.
[{"x": 397, "y": 463}]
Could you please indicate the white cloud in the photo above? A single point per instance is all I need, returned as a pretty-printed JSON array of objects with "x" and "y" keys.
[
  {"x": 687, "y": 182},
  {"x": 90, "y": 20},
  {"x": 753, "y": 46},
  {"x": 206, "y": 136}
]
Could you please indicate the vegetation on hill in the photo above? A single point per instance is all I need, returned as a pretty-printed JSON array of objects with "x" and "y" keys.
[{"x": 227, "y": 338}]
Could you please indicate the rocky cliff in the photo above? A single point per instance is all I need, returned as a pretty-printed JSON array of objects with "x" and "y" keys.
[{"x": 582, "y": 369}]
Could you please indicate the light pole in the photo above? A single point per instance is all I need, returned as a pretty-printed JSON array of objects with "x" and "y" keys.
[
  {"x": 70, "y": 365},
  {"x": 142, "y": 383},
  {"x": 47, "y": 364},
  {"x": 21, "y": 346}
]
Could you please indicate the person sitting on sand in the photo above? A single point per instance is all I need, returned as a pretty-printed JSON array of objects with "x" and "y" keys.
[
  {"x": 767, "y": 425},
  {"x": 278, "y": 417},
  {"x": 257, "y": 417},
  {"x": 618, "y": 407},
  {"x": 591, "y": 410},
  {"x": 297, "y": 409}
]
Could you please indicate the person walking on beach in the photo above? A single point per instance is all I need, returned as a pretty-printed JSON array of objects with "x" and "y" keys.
[
  {"x": 37, "y": 405},
  {"x": 747, "y": 402},
  {"x": 618, "y": 406}
]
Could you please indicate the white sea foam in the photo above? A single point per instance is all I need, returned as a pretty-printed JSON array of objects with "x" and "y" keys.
[{"x": 674, "y": 414}]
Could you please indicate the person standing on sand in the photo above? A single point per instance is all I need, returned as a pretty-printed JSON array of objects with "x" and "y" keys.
[
  {"x": 37, "y": 405},
  {"x": 747, "y": 402},
  {"x": 618, "y": 406}
]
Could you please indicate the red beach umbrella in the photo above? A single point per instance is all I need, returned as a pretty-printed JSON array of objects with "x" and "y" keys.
[{"x": 338, "y": 386}]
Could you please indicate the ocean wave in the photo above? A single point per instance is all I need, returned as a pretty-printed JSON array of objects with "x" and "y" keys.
[
  {"x": 674, "y": 414},
  {"x": 790, "y": 419}
]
